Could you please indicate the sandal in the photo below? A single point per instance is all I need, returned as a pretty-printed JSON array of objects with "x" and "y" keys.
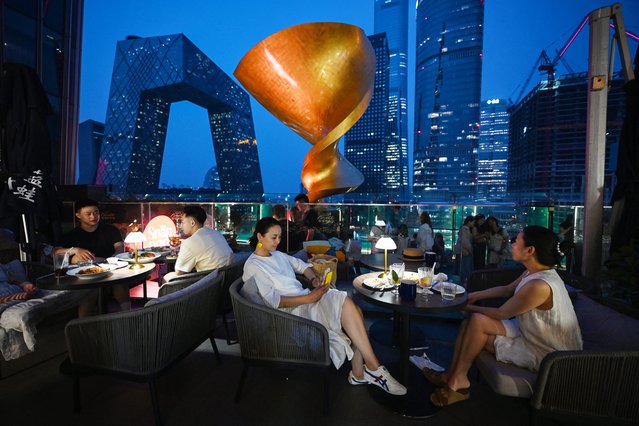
[
  {"x": 435, "y": 377},
  {"x": 439, "y": 399}
]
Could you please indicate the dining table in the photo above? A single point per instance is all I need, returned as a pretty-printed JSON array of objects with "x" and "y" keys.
[
  {"x": 415, "y": 403},
  {"x": 124, "y": 275}
]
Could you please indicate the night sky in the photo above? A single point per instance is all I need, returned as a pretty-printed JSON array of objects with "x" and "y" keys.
[{"x": 515, "y": 32}]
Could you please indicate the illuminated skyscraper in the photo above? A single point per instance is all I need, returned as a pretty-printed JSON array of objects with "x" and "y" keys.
[
  {"x": 148, "y": 75},
  {"x": 492, "y": 172},
  {"x": 546, "y": 159},
  {"x": 366, "y": 143},
  {"x": 447, "y": 96},
  {"x": 391, "y": 17}
]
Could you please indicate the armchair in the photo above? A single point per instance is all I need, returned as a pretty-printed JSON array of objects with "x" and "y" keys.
[
  {"x": 270, "y": 336},
  {"x": 139, "y": 345}
]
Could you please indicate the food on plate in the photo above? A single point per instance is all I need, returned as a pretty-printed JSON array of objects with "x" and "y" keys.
[
  {"x": 92, "y": 270},
  {"x": 413, "y": 253},
  {"x": 146, "y": 254}
]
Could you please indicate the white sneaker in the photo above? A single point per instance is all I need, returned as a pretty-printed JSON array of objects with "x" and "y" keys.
[
  {"x": 355, "y": 381},
  {"x": 382, "y": 378}
]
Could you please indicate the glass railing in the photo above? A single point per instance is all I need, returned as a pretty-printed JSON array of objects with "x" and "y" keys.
[{"x": 239, "y": 218}]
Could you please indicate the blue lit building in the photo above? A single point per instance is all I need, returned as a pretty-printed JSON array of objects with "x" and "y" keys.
[
  {"x": 492, "y": 169},
  {"x": 391, "y": 17},
  {"x": 148, "y": 75},
  {"x": 447, "y": 96},
  {"x": 366, "y": 143}
]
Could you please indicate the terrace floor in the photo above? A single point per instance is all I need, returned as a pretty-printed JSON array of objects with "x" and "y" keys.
[{"x": 198, "y": 391}]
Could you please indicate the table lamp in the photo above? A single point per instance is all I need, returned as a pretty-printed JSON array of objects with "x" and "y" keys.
[
  {"x": 385, "y": 243},
  {"x": 135, "y": 238}
]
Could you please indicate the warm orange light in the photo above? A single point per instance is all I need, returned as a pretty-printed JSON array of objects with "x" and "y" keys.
[{"x": 158, "y": 231}]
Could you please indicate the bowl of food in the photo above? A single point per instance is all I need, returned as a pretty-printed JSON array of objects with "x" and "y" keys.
[{"x": 143, "y": 256}]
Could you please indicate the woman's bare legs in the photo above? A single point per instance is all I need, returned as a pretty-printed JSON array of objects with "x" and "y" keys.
[
  {"x": 353, "y": 323},
  {"x": 478, "y": 333}
]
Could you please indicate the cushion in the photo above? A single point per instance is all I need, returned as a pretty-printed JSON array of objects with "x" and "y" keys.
[
  {"x": 505, "y": 379},
  {"x": 317, "y": 246},
  {"x": 250, "y": 292},
  {"x": 603, "y": 328}
]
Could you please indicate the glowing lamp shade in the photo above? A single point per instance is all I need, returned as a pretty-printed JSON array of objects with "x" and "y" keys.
[
  {"x": 385, "y": 243},
  {"x": 135, "y": 238}
]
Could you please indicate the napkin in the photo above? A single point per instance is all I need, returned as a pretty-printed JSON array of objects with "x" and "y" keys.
[
  {"x": 441, "y": 277},
  {"x": 423, "y": 361}
]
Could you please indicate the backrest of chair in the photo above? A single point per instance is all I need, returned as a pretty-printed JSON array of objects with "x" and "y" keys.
[
  {"x": 267, "y": 334},
  {"x": 181, "y": 282},
  {"x": 186, "y": 317}
]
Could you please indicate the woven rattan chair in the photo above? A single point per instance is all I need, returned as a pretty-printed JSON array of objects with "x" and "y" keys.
[
  {"x": 588, "y": 385},
  {"x": 139, "y": 345},
  {"x": 272, "y": 337},
  {"x": 181, "y": 282}
]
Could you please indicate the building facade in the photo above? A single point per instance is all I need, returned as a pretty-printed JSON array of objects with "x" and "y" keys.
[
  {"x": 148, "y": 75},
  {"x": 447, "y": 96},
  {"x": 492, "y": 158},
  {"x": 391, "y": 17},
  {"x": 90, "y": 136},
  {"x": 546, "y": 159},
  {"x": 47, "y": 37},
  {"x": 366, "y": 143}
]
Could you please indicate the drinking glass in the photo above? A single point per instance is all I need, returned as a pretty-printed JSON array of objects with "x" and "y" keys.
[
  {"x": 60, "y": 264},
  {"x": 425, "y": 279},
  {"x": 398, "y": 268},
  {"x": 447, "y": 290},
  {"x": 174, "y": 242}
]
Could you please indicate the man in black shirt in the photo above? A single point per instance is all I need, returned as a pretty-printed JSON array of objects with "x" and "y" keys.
[{"x": 94, "y": 241}]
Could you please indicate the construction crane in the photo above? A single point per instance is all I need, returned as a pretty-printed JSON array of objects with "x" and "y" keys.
[{"x": 545, "y": 64}]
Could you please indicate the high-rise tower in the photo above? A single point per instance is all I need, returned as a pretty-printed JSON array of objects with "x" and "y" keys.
[
  {"x": 148, "y": 75},
  {"x": 492, "y": 171},
  {"x": 391, "y": 17},
  {"x": 447, "y": 97},
  {"x": 366, "y": 143}
]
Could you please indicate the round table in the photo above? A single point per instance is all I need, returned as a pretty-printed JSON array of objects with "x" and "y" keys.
[
  {"x": 375, "y": 262},
  {"x": 415, "y": 402},
  {"x": 121, "y": 276}
]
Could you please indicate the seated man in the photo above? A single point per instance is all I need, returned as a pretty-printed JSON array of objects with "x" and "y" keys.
[
  {"x": 203, "y": 250},
  {"x": 94, "y": 241}
]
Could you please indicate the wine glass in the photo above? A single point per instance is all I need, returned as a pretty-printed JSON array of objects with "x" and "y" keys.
[
  {"x": 395, "y": 274},
  {"x": 174, "y": 242},
  {"x": 425, "y": 279}
]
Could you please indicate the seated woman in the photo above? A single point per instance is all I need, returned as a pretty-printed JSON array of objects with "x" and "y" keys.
[
  {"x": 274, "y": 274},
  {"x": 544, "y": 322}
]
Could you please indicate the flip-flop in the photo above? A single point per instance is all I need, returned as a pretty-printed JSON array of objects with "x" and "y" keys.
[
  {"x": 439, "y": 399},
  {"x": 435, "y": 377}
]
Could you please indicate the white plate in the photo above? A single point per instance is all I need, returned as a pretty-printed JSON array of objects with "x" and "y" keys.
[
  {"x": 377, "y": 284},
  {"x": 130, "y": 257},
  {"x": 458, "y": 289},
  {"x": 113, "y": 266},
  {"x": 75, "y": 273}
]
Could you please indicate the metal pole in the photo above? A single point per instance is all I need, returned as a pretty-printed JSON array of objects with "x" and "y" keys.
[{"x": 596, "y": 140}]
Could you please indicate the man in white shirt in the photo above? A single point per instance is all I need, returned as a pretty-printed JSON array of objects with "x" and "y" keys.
[{"x": 204, "y": 249}]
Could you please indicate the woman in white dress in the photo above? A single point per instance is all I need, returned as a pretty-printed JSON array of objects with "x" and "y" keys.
[
  {"x": 274, "y": 274},
  {"x": 544, "y": 322}
]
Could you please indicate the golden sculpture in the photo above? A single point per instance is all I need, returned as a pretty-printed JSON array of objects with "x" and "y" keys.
[{"x": 317, "y": 79}]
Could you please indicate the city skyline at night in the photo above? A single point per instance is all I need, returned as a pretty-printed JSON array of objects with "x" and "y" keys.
[{"x": 513, "y": 38}]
